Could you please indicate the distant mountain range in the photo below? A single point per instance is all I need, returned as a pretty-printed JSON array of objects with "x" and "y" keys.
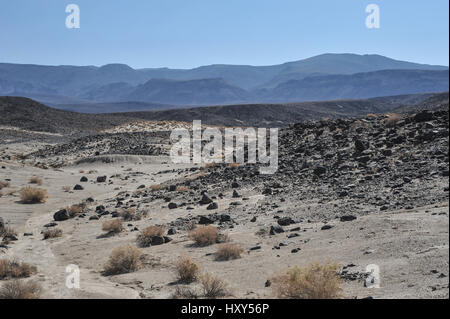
[
  {"x": 327, "y": 76},
  {"x": 30, "y": 115}
]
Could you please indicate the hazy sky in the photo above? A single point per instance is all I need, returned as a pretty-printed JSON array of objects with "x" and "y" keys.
[{"x": 189, "y": 33}]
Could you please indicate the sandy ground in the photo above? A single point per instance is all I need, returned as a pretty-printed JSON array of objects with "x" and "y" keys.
[{"x": 411, "y": 248}]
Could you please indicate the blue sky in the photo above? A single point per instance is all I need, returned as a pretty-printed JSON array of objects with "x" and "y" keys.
[{"x": 190, "y": 33}]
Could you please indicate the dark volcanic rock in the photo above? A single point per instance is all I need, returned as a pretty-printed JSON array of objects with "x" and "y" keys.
[
  {"x": 78, "y": 187},
  {"x": 61, "y": 215},
  {"x": 347, "y": 218},
  {"x": 205, "y": 200},
  {"x": 212, "y": 206},
  {"x": 173, "y": 206},
  {"x": 205, "y": 220},
  {"x": 285, "y": 221},
  {"x": 276, "y": 229},
  {"x": 101, "y": 179}
]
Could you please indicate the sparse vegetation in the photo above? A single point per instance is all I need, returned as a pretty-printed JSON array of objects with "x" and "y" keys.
[
  {"x": 15, "y": 269},
  {"x": 206, "y": 235},
  {"x": 32, "y": 195},
  {"x": 316, "y": 281},
  {"x": 4, "y": 184},
  {"x": 36, "y": 180},
  {"x": 213, "y": 287},
  {"x": 129, "y": 214},
  {"x": 144, "y": 239},
  {"x": 182, "y": 189},
  {"x": 187, "y": 270},
  {"x": 112, "y": 226},
  {"x": 7, "y": 231},
  {"x": 52, "y": 233},
  {"x": 75, "y": 210},
  {"x": 123, "y": 260},
  {"x": 392, "y": 119},
  {"x": 185, "y": 293},
  {"x": 156, "y": 187},
  {"x": 19, "y": 289},
  {"x": 228, "y": 251}
]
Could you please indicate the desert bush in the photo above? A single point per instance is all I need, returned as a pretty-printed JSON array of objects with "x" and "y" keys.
[
  {"x": 36, "y": 180},
  {"x": 228, "y": 251},
  {"x": 32, "y": 195},
  {"x": 206, "y": 235},
  {"x": 129, "y": 214},
  {"x": 182, "y": 189},
  {"x": 213, "y": 287},
  {"x": 209, "y": 165},
  {"x": 156, "y": 187},
  {"x": 112, "y": 226},
  {"x": 392, "y": 119},
  {"x": 75, "y": 210},
  {"x": 187, "y": 270},
  {"x": 144, "y": 239},
  {"x": 52, "y": 233},
  {"x": 315, "y": 281},
  {"x": 7, "y": 231},
  {"x": 18, "y": 289},
  {"x": 185, "y": 293},
  {"x": 15, "y": 269},
  {"x": 4, "y": 184},
  {"x": 123, "y": 260}
]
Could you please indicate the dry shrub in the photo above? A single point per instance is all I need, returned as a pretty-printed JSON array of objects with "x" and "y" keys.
[
  {"x": 144, "y": 239},
  {"x": 4, "y": 184},
  {"x": 213, "y": 287},
  {"x": 392, "y": 119},
  {"x": 185, "y": 293},
  {"x": 182, "y": 189},
  {"x": 208, "y": 165},
  {"x": 32, "y": 195},
  {"x": 75, "y": 210},
  {"x": 112, "y": 226},
  {"x": 7, "y": 231},
  {"x": 18, "y": 289},
  {"x": 129, "y": 214},
  {"x": 36, "y": 180},
  {"x": 205, "y": 236},
  {"x": 187, "y": 270},
  {"x": 156, "y": 187},
  {"x": 15, "y": 269},
  {"x": 229, "y": 251},
  {"x": 52, "y": 233},
  {"x": 316, "y": 281},
  {"x": 123, "y": 260}
]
